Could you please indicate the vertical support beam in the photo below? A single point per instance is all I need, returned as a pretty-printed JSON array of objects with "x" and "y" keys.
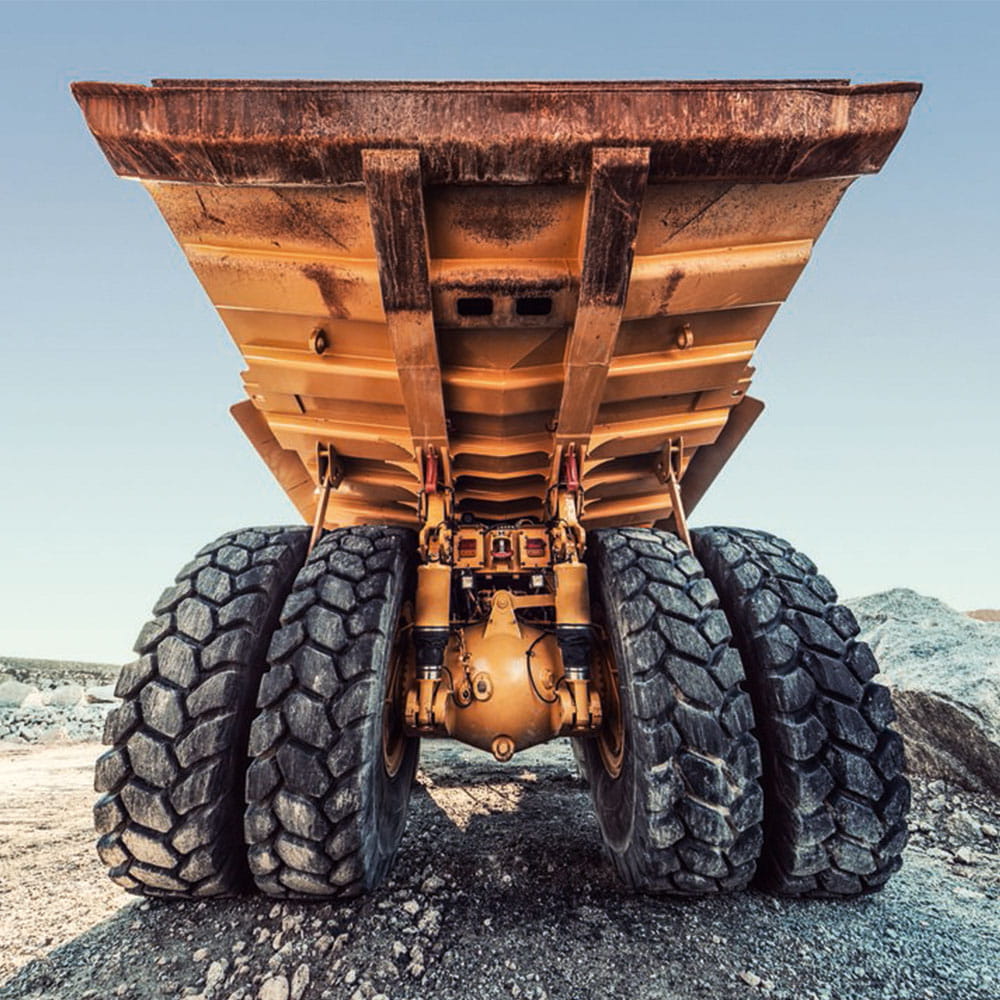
[
  {"x": 396, "y": 205},
  {"x": 614, "y": 199}
]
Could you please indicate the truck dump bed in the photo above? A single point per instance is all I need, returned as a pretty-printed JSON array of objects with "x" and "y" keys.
[{"x": 496, "y": 270}]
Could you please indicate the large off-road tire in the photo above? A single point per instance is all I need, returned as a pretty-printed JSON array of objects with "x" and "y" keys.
[
  {"x": 835, "y": 799},
  {"x": 677, "y": 797},
  {"x": 330, "y": 779},
  {"x": 170, "y": 818}
]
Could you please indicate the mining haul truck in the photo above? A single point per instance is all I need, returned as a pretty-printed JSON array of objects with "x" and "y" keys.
[{"x": 498, "y": 340}]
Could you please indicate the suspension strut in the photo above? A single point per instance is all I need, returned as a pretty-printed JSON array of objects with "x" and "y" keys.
[{"x": 432, "y": 618}]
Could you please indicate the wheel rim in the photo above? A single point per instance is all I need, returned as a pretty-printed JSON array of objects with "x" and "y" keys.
[
  {"x": 394, "y": 738},
  {"x": 611, "y": 735}
]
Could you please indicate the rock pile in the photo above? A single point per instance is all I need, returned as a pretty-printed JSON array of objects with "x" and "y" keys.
[
  {"x": 944, "y": 669},
  {"x": 52, "y": 711}
]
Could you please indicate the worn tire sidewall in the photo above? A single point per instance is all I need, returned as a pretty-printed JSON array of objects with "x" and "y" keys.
[
  {"x": 384, "y": 797},
  {"x": 615, "y": 797}
]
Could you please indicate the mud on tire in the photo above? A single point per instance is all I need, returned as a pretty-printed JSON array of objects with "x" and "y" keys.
[
  {"x": 169, "y": 820},
  {"x": 835, "y": 796},
  {"x": 324, "y": 815},
  {"x": 683, "y": 814}
]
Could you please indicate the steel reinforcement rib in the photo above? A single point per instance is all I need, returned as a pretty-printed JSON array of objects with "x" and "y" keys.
[{"x": 496, "y": 269}]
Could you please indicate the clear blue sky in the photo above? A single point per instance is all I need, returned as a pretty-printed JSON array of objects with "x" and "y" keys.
[{"x": 878, "y": 453}]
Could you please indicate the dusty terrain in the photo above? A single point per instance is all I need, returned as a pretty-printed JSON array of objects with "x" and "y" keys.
[{"x": 500, "y": 891}]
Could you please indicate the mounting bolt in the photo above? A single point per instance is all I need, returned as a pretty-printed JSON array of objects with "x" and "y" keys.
[
  {"x": 503, "y": 748},
  {"x": 482, "y": 686},
  {"x": 319, "y": 341}
]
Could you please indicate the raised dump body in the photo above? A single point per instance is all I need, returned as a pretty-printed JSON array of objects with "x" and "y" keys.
[
  {"x": 519, "y": 318},
  {"x": 494, "y": 270}
]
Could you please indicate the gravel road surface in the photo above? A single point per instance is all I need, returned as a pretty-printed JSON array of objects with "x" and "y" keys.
[{"x": 501, "y": 891}]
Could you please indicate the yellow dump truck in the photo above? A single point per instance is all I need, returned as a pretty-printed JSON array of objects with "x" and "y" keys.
[{"x": 498, "y": 342}]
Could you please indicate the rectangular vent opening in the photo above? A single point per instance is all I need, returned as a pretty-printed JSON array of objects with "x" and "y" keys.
[
  {"x": 479, "y": 306},
  {"x": 534, "y": 306}
]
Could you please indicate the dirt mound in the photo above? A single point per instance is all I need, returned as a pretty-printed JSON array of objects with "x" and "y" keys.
[
  {"x": 944, "y": 669},
  {"x": 985, "y": 615}
]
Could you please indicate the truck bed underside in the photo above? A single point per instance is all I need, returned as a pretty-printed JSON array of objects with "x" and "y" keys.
[{"x": 496, "y": 272}]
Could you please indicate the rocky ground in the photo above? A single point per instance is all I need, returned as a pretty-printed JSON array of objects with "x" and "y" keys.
[{"x": 501, "y": 889}]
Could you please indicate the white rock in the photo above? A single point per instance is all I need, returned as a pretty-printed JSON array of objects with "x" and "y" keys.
[
  {"x": 300, "y": 980},
  {"x": 64, "y": 696},
  {"x": 216, "y": 973},
  {"x": 962, "y": 825},
  {"x": 13, "y": 693},
  {"x": 965, "y": 855},
  {"x": 274, "y": 988},
  {"x": 964, "y": 892},
  {"x": 750, "y": 978},
  {"x": 102, "y": 694}
]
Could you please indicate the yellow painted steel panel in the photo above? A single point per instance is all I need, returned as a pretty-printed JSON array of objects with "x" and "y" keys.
[{"x": 498, "y": 279}]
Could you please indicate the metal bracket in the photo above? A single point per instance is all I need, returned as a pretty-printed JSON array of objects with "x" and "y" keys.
[
  {"x": 331, "y": 474},
  {"x": 564, "y": 502},
  {"x": 567, "y": 460},
  {"x": 668, "y": 471},
  {"x": 435, "y": 505}
]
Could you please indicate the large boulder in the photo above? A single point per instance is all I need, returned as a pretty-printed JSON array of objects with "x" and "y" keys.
[
  {"x": 13, "y": 693},
  {"x": 64, "y": 696},
  {"x": 944, "y": 670},
  {"x": 103, "y": 694}
]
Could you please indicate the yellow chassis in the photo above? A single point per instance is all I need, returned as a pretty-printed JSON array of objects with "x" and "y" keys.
[{"x": 464, "y": 307}]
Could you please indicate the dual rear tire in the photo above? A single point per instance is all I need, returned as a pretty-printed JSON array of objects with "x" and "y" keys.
[
  {"x": 320, "y": 809},
  {"x": 757, "y": 744},
  {"x": 745, "y": 740}
]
